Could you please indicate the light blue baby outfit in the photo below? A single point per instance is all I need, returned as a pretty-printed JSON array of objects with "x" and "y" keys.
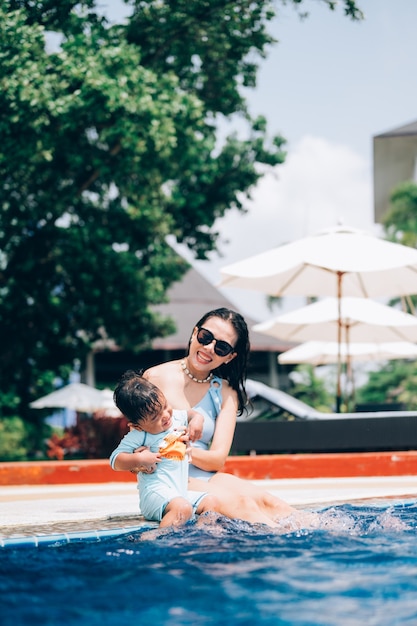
[
  {"x": 209, "y": 407},
  {"x": 170, "y": 479}
]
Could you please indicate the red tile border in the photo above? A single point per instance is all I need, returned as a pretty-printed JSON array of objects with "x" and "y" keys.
[
  {"x": 259, "y": 467},
  {"x": 331, "y": 465}
]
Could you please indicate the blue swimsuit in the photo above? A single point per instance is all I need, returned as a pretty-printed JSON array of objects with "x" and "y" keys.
[
  {"x": 209, "y": 407},
  {"x": 170, "y": 480}
]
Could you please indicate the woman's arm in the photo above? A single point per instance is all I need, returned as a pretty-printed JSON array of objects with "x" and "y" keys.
[{"x": 213, "y": 459}]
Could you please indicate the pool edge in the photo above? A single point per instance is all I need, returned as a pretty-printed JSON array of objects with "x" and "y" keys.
[{"x": 315, "y": 465}]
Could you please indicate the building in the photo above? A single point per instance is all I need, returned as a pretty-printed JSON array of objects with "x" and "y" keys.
[{"x": 395, "y": 162}]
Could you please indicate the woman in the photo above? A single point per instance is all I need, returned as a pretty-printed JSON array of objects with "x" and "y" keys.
[{"x": 211, "y": 380}]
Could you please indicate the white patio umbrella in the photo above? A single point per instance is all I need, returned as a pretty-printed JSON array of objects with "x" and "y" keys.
[
  {"x": 348, "y": 320},
  {"x": 336, "y": 262},
  {"x": 108, "y": 407},
  {"x": 344, "y": 321},
  {"x": 339, "y": 259},
  {"x": 326, "y": 352},
  {"x": 75, "y": 396}
]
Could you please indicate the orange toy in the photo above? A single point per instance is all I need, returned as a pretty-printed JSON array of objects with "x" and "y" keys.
[{"x": 172, "y": 448}]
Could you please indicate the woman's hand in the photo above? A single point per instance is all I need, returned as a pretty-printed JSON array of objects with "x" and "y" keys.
[
  {"x": 195, "y": 425},
  {"x": 146, "y": 461}
]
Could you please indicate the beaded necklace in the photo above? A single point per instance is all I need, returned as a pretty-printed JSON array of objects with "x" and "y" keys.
[{"x": 196, "y": 380}]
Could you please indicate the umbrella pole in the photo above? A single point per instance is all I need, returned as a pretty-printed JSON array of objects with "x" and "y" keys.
[
  {"x": 339, "y": 342},
  {"x": 353, "y": 388},
  {"x": 350, "y": 387}
]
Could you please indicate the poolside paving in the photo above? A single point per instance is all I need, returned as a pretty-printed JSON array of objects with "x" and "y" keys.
[{"x": 30, "y": 509}]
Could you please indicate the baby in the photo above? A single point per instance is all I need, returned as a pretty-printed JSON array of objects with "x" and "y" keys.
[{"x": 158, "y": 441}]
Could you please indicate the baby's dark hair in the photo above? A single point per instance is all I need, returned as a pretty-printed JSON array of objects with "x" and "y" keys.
[{"x": 137, "y": 398}]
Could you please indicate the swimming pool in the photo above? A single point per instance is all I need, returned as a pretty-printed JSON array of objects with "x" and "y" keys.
[{"x": 359, "y": 566}]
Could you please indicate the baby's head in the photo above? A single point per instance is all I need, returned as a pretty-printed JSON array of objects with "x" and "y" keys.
[{"x": 143, "y": 404}]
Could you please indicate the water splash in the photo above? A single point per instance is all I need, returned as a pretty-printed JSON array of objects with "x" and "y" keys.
[{"x": 358, "y": 564}]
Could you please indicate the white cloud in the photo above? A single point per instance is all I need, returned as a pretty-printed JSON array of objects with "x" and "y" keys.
[{"x": 319, "y": 185}]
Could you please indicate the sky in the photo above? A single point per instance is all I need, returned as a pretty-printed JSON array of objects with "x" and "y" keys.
[{"x": 328, "y": 86}]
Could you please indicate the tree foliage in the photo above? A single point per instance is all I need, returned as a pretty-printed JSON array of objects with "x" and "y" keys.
[
  {"x": 108, "y": 144},
  {"x": 400, "y": 221},
  {"x": 395, "y": 381},
  {"x": 400, "y": 225},
  {"x": 310, "y": 388}
]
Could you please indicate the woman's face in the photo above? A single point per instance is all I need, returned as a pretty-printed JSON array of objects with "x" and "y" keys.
[{"x": 219, "y": 336}]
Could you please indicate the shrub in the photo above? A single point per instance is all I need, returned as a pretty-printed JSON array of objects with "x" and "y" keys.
[
  {"x": 15, "y": 439},
  {"x": 90, "y": 438}
]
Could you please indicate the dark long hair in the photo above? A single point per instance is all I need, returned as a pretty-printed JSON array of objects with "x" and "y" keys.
[{"x": 234, "y": 372}]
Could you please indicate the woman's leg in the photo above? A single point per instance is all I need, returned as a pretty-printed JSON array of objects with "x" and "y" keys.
[
  {"x": 228, "y": 503},
  {"x": 243, "y": 499},
  {"x": 242, "y": 493},
  {"x": 270, "y": 505}
]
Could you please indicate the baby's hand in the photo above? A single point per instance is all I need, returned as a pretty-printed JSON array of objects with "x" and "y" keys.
[{"x": 195, "y": 425}]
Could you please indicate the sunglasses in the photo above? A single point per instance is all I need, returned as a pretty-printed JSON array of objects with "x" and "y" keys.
[{"x": 221, "y": 348}]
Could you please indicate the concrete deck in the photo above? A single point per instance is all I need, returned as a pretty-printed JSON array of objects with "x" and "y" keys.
[
  {"x": 26, "y": 507},
  {"x": 38, "y": 497}
]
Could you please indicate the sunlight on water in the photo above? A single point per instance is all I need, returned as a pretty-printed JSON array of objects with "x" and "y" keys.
[{"x": 358, "y": 565}]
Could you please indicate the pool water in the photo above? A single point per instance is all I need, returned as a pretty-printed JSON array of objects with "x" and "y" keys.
[{"x": 358, "y": 567}]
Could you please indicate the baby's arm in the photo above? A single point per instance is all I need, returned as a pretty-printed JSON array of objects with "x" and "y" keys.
[
  {"x": 141, "y": 460},
  {"x": 131, "y": 455}
]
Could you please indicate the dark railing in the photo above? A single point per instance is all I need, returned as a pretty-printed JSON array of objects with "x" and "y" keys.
[{"x": 361, "y": 434}]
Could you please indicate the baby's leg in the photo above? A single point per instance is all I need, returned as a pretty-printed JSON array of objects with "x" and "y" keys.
[
  {"x": 208, "y": 503},
  {"x": 177, "y": 512}
]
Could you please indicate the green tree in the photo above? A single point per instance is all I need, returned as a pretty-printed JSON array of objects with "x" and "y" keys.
[
  {"x": 394, "y": 382},
  {"x": 400, "y": 225},
  {"x": 310, "y": 388},
  {"x": 109, "y": 144},
  {"x": 400, "y": 221}
]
